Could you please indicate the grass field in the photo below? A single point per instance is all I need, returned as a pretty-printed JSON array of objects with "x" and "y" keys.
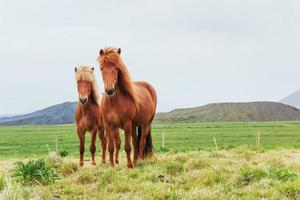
[
  {"x": 239, "y": 173},
  {"x": 30, "y": 141},
  {"x": 189, "y": 167}
]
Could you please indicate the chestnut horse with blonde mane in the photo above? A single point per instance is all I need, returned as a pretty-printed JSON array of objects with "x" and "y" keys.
[
  {"x": 127, "y": 105},
  {"x": 88, "y": 114}
]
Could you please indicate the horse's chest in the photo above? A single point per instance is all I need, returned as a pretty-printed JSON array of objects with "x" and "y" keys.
[
  {"x": 90, "y": 123},
  {"x": 113, "y": 117},
  {"x": 118, "y": 112}
]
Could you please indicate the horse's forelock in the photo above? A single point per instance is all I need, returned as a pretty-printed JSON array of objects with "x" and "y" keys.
[{"x": 86, "y": 73}]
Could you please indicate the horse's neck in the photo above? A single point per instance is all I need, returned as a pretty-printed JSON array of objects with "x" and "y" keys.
[
  {"x": 119, "y": 95},
  {"x": 86, "y": 108}
]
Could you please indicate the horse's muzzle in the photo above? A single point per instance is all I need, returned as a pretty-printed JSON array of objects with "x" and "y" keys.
[
  {"x": 110, "y": 92},
  {"x": 83, "y": 100}
]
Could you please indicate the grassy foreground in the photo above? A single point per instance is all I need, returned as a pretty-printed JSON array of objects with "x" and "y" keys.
[
  {"x": 238, "y": 173},
  {"x": 33, "y": 141}
]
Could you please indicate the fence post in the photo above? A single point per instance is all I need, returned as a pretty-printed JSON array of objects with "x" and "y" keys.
[
  {"x": 256, "y": 142},
  {"x": 163, "y": 140},
  {"x": 258, "y": 138},
  {"x": 56, "y": 144},
  {"x": 216, "y": 144}
]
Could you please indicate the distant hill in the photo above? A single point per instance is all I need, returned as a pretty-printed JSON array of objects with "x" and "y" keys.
[
  {"x": 292, "y": 100},
  {"x": 57, "y": 114},
  {"x": 216, "y": 112},
  {"x": 8, "y": 115},
  {"x": 232, "y": 112}
]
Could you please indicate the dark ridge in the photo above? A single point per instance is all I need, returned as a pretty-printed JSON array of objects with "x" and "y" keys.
[
  {"x": 231, "y": 112},
  {"x": 215, "y": 112}
]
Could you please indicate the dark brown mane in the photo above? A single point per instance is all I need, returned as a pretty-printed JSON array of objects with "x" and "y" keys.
[{"x": 111, "y": 57}]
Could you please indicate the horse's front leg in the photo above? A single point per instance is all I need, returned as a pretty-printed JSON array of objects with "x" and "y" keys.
[
  {"x": 128, "y": 132},
  {"x": 81, "y": 135},
  {"x": 117, "y": 144},
  {"x": 111, "y": 147},
  {"x": 103, "y": 144},
  {"x": 93, "y": 146}
]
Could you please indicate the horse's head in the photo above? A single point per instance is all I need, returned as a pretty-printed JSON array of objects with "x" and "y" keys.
[
  {"x": 109, "y": 69},
  {"x": 84, "y": 86}
]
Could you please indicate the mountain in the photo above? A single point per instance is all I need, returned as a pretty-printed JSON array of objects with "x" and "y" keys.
[
  {"x": 232, "y": 112},
  {"x": 216, "y": 112},
  {"x": 8, "y": 115},
  {"x": 57, "y": 114},
  {"x": 292, "y": 100}
]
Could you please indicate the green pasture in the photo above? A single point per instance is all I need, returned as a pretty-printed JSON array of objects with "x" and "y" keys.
[{"x": 25, "y": 141}]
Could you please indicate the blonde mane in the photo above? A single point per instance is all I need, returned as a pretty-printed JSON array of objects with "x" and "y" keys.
[
  {"x": 112, "y": 57},
  {"x": 86, "y": 73}
]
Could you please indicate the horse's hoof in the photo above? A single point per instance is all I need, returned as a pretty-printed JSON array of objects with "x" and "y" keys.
[
  {"x": 81, "y": 164},
  {"x": 103, "y": 161},
  {"x": 141, "y": 157},
  {"x": 93, "y": 163},
  {"x": 117, "y": 162},
  {"x": 130, "y": 165}
]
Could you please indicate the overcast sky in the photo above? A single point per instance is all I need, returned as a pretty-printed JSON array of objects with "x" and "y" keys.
[{"x": 192, "y": 52}]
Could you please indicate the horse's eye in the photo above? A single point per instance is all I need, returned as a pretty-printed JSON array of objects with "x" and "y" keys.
[{"x": 101, "y": 68}]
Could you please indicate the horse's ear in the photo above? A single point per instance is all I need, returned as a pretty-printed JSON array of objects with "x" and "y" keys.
[
  {"x": 101, "y": 52},
  {"x": 93, "y": 68},
  {"x": 119, "y": 51},
  {"x": 75, "y": 69}
]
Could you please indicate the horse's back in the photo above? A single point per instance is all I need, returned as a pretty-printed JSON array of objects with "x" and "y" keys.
[
  {"x": 147, "y": 105},
  {"x": 147, "y": 87}
]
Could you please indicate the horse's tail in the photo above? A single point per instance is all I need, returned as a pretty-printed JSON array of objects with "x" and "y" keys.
[{"x": 148, "y": 150}]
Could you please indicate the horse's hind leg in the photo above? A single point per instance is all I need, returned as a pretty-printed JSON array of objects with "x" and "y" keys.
[
  {"x": 81, "y": 135},
  {"x": 93, "y": 146},
  {"x": 145, "y": 131},
  {"x": 103, "y": 144},
  {"x": 117, "y": 145},
  {"x": 135, "y": 145}
]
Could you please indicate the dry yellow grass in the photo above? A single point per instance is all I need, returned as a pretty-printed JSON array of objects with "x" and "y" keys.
[{"x": 239, "y": 173}]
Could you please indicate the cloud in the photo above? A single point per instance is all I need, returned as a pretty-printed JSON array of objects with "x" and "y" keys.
[{"x": 193, "y": 52}]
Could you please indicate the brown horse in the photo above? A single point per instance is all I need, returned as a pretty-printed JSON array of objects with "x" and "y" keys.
[
  {"x": 87, "y": 115},
  {"x": 126, "y": 105}
]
